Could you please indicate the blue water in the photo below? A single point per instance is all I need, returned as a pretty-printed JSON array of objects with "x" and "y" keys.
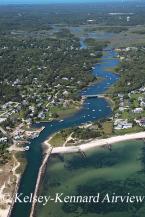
[
  {"x": 93, "y": 109},
  {"x": 100, "y": 71}
]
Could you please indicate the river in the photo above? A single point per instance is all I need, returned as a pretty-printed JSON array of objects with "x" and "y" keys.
[{"x": 93, "y": 109}]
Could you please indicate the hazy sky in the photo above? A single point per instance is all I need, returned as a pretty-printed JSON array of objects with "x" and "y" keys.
[{"x": 51, "y": 1}]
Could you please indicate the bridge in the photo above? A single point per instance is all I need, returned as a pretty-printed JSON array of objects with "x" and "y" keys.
[
  {"x": 93, "y": 96},
  {"x": 101, "y": 95}
]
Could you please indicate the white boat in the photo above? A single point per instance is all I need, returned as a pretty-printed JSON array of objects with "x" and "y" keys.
[
  {"x": 61, "y": 120},
  {"x": 26, "y": 148}
]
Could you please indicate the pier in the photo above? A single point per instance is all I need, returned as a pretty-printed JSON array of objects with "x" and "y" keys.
[
  {"x": 82, "y": 153},
  {"x": 41, "y": 172}
]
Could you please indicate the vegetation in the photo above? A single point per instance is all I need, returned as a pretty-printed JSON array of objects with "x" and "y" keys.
[
  {"x": 85, "y": 133},
  {"x": 33, "y": 69},
  {"x": 32, "y": 18},
  {"x": 113, "y": 29},
  {"x": 139, "y": 31},
  {"x": 131, "y": 70},
  {"x": 58, "y": 139},
  {"x": 96, "y": 45},
  {"x": 4, "y": 154},
  {"x": 23, "y": 163},
  {"x": 96, "y": 130}
]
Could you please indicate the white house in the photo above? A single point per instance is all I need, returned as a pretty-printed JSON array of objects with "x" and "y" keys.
[{"x": 138, "y": 110}]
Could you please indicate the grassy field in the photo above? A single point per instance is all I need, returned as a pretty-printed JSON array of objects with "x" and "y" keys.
[
  {"x": 57, "y": 140},
  {"x": 65, "y": 112},
  {"x": 108, "y": 127}
]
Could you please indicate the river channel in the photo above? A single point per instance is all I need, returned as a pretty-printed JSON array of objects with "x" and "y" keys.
[{"x": 93, "y": 109}]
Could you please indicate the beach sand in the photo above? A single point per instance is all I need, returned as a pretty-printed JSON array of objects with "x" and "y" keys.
[{"x": 99, "y": 142}]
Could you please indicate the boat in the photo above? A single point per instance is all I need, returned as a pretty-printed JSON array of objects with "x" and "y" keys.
[
  {"x": 61, "y": 120},
  {"x": 26, "y": 148}
]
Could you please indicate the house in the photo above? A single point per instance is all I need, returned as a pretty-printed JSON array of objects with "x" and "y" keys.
[
  {"x": 142, "y": 122},
  {"x": 142, "y": 89},
  {"x": 66, "y": 93},
  {"x": 127, "y": 125},
  {"x": 90, "y": 21},
  {"x": 41, "y": 115},
  {"x": 142, "y": 104},
  {"x": 118, "y": 127},
  {"x": 122, "y": 124},
  {"x": 121, "y": 109},
  {"x": 120, "y": 95},
  {"x": 2, "y": 120},
  {"x": 3, "y": 139},
  {"x": 138, "y": 110}
]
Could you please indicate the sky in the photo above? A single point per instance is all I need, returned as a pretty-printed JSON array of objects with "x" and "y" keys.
[{"x": 51, "y": 1}]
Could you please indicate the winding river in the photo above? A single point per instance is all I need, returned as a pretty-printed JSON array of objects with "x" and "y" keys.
[{"x": 93, "y": 109}]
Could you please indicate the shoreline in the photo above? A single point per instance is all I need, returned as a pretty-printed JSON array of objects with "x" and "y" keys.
[
  {"x": 98, "y": 143},
  {"x": 80, "y": 148},
  {"x": 14, "y": 149},
  {"x": 10, "y": 203},
  {"x": 48, "y": 151}
]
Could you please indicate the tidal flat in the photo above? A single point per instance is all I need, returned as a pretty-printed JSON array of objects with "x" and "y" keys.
[{"x": 120, "y": 171}]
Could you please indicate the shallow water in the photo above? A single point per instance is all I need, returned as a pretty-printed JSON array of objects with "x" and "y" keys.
[{"x": 120, "y": 171}]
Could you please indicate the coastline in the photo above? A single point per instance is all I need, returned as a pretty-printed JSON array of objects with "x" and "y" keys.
[
  {"x": 110, "y": 101},
  {"x": 14, "y": 149},
  {"x": 42, "y": 167},
  {"x": 99, "y": 142},
  {"x": 80, "y": 148},
  {"x": 10, "y": 202}
]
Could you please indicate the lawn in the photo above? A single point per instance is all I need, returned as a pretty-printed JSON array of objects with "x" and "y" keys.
[
  {"x": 57, "y": 140},
  {"x": 108, "y": 127}
]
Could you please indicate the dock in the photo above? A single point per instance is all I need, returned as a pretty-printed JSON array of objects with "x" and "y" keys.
[{"x": 82, "y": 153}]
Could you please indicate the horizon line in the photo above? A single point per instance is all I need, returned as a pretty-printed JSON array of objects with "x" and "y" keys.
[{"x": 67, "y": 3}]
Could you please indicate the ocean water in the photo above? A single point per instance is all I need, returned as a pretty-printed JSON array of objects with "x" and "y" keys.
[{"x": 120, "y": 171}]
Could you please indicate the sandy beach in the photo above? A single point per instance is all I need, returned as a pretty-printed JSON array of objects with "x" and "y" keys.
[
  {"x": 9, "y": 202},
  {"x": 99, "y": 142}
]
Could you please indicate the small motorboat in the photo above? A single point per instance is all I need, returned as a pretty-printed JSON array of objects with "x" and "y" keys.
[
  {"x": 61, "y": 120},
  {"x": 26, "y": 148}
]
